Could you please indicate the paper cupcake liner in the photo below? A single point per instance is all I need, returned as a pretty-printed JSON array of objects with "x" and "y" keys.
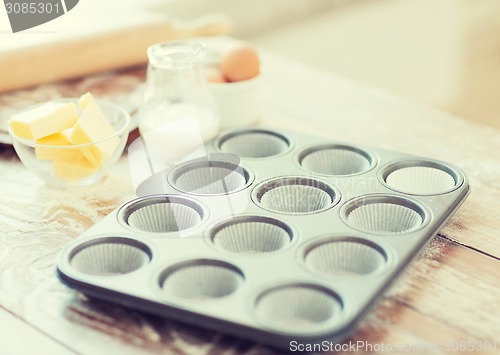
[
  {"x": 252, "y": 235},
  {"x": 420, "y": 180},
  {"x": 109, "y": 258},
  {"x": 254, "y": 144},
  {"x": 336, "y": 160},
  {"x": 295, "y": 195},
  {"x": 201, "y": 280},
  {"x": 385, "y": 217},
  {"x": 211, "y": 179},
  {"x": 297, "y": 307},
  {"x": 345, "y": 257},
  {"x": 164, "y": 217}
]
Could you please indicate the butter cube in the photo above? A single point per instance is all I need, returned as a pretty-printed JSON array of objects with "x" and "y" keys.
[
  {"x": 44, "y": 120},
  {"x": 54, "y": 140},
  {"x": 73, "y": 169},
  {"x": 93, "y": 126},
  {"x": 85, "y": 99}
]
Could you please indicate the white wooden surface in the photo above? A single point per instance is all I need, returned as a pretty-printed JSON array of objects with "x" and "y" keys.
[{"x": 450, "y": 293}]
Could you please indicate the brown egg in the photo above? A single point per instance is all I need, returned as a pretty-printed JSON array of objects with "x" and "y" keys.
[
  {"x": 214, "y": 75},
  {"x": 240, "y": 62}
]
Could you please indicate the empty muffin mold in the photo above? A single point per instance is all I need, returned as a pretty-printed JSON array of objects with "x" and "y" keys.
[
  {"x": 298, "y": 307},
  {"x": 344, "y": 256},
  {"x": 336, "y": 159},
  {"x": 254, "y": 143},
  {"x": 209, "y": 177},
  {"x": 295, "y": 195},
  {"x": 162, "y": 214},
  {"x": 200, "y": 279},
  {"x": 386, "y": 214},
  {"x": 251, "y": 235},
  {"x": 109, "y": 256},
  {"x": 421, "y": 177}
]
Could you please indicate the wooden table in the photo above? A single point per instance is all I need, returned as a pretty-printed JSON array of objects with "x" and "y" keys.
[{"x": 450, "y": 293}]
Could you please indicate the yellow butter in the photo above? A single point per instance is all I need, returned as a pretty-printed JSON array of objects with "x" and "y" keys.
[
  {"x": 55, "y": 153},
  {"x": 85, "y": 99},
  {"x": 44, "y": 120},
  {"x": 60, "y": 138},
  {"x": 73, "y": 169},
  {"x": 56, "y": 140},
  {"x": 93, "y": 126}
]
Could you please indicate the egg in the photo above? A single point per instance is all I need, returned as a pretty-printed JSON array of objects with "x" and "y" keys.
[
  {"x": 240, "y": 62},
  {"x": 214, "y": 75}
]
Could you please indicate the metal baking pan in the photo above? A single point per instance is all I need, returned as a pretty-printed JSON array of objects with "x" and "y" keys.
[{"x": 273, "y": 236}]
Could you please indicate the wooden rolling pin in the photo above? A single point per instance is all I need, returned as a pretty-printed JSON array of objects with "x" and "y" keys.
[{"x": 118, "y": 48}]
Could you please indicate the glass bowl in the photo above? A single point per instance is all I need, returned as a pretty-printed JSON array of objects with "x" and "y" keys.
[{"x": 66, "y": 166}]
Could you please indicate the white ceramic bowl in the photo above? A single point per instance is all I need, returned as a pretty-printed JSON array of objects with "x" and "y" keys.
[{"x": 239, "y": 103}]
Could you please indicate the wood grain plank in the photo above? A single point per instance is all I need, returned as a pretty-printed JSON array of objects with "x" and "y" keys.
[{"x": 19, "y": 338}]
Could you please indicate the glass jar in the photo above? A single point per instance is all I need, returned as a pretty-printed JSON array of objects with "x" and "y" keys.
[{"x": 178, "y": 113}]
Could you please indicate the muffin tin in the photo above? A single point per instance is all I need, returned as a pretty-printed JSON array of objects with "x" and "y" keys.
[{"x": 272, "y": 236}]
